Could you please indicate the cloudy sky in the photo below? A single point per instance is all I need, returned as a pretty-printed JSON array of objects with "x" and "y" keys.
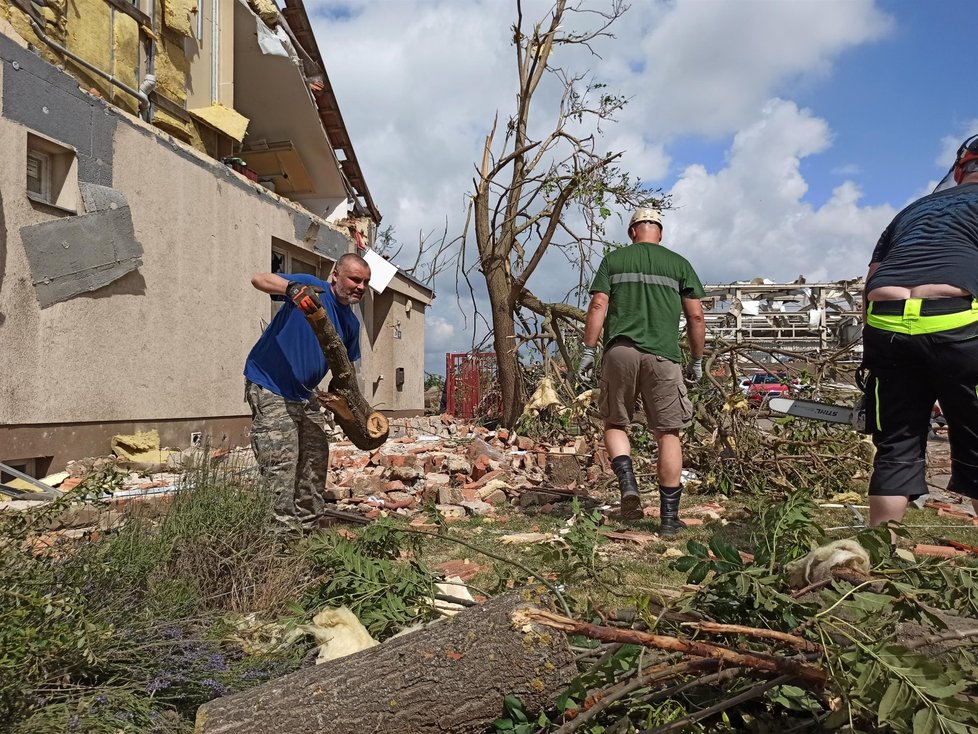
[{"x": 787, "y": 132}]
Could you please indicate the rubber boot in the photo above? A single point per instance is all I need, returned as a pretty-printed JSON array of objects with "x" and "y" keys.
[
  {"x": 631, "y": 503},
  {"x": 669, "y": 511}
]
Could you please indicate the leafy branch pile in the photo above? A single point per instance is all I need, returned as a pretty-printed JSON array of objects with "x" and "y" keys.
[
  {"x": 736, "y": 446},
  {"x": 890, "y": 650}
]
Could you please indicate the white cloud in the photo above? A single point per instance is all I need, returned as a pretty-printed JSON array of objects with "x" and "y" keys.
[
  {"x": 708, "y": 66},
  {"x": 419, "y": 82},
  {"x": 749, "y": 219}
]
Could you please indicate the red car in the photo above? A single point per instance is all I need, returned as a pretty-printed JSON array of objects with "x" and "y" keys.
[{"x": 765, "y": 385}]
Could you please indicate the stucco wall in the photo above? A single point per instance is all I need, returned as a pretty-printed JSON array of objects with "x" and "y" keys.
[
  {"x": 396, "y": 335},
  {"x": 165, "y": 341}
]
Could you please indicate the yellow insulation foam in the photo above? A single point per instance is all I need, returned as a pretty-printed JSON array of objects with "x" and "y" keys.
[
  {"x": 171, "y": 70},
  {"x": 90, "y": 37},
  {"x": 225, "y": 119},
  {"x": 181, "y": 16},
  {"x": 126, "y": 60}
]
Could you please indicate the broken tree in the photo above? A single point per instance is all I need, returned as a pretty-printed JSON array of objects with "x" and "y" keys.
[
  {"x": 553, "y": 191},
  {"x": 451, "y": 676},
  {"x": 364, "y": 426}
]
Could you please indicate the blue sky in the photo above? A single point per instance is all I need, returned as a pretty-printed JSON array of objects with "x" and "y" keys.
[
  {"x": 787, "y": 132},
  {"x": 887, "y": 101}
]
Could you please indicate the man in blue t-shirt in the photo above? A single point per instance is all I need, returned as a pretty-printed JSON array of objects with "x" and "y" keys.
[{"x": 288, "y": 431}]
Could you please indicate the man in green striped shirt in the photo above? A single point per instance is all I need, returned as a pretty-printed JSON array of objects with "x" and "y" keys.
[{"x": 637, "y": 296}]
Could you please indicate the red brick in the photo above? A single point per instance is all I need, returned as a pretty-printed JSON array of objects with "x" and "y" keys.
[
  {"x": 939, "y": 551},
  {"x": 489, "y": 476},
  {"x": 524, "y": 444},
  {"x": 480, "y": 467},
  {"x": 395, "y": 485},
  {"x": 399, "y": 460},
  {"x": 465, "y": 569},
  {"x": 502, "y": 434},
  {"x": 365, "y": 485}
]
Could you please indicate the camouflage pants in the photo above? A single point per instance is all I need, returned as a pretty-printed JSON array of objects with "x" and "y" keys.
[{"x": 290, "y": 444}]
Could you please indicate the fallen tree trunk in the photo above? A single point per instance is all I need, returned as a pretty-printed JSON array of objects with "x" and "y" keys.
[
  {"x": 449, "y": 677},
  {"x": 364, "y": 426}
]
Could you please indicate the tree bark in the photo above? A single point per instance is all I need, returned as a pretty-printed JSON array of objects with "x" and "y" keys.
[
  {"x": 448, "y": 677},
  {"x": 512, "y": 397},
  {"x": 365, "y": 427}
]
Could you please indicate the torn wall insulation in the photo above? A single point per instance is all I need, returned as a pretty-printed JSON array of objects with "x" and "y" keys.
[
  {"x": 331, "y": 243},
  {"x": 267, "y": 10},
  {"x": 229, "y": 122},
  {"x": 171, "y": 70},
  {"x": 125, "y": 57},
  {"x": 48, "y": 101},
  {"x": 77, "y": 255},
  {"x": 176, "y": 126},
  {"x": 181, "y": 16},
  {"x": 90, "y": 37}
]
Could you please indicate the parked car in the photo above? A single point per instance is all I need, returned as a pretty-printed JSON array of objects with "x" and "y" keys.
[{"x": 765, "y": 385}]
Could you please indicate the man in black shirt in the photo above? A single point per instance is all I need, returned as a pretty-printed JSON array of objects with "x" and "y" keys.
[{"x": 920, "y": 340}]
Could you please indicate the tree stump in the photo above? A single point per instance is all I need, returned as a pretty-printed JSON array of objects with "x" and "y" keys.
[
  {"x": 365, "y": 427},
  {"x": 451, "y": 676}
]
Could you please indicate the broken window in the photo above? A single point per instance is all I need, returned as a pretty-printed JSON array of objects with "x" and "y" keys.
[{"x": 52, "y": 173}]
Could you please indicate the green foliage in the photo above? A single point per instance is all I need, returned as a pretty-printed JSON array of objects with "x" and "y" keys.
[
  {"x": 732, "y": 590},
  {"x": 786, "y": 530},
  {"x": 882, "y": 681},
  {"x": 576, "y": 553},
  {"x": 432, "y": 380},
  {"x": 900, "y": 688},
  {"x": 370, "y": 575},
  {"x": 515, "y": 719},
  {"x": 118, "y": 634}
]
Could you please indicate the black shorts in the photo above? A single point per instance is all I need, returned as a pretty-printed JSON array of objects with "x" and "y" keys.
[{"x": 907, "y": 374}]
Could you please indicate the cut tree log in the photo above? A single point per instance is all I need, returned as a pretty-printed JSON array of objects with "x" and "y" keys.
[
  {"x": 364, "y": 426},
  {"x": 451, "y": 676}
]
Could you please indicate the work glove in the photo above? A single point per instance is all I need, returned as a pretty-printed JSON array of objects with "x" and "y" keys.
[
  {"x": 585, "y": 370},
  {"x": 694, "y": 370},
  {"x": 304, "y": 296}
]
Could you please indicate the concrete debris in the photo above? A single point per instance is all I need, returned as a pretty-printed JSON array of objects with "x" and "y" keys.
[{"x": 459, "y": 469}]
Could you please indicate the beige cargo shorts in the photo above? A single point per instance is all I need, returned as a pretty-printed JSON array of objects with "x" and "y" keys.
[{"x": 627, "y": 373}]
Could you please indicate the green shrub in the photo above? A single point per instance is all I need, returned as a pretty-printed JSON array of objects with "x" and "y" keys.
[{"x": 124, "y": 633}]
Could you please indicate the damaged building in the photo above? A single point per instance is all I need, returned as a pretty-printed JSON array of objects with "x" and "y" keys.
[{"x": 157, "y": 154}]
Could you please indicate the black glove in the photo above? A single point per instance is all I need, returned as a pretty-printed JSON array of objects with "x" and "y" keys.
[{"x": 304, "y": 296}]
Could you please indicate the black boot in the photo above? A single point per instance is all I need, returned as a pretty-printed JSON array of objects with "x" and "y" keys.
[
  {"x": 631, "y": 503},
  {"x": 669, "y": 511}
]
